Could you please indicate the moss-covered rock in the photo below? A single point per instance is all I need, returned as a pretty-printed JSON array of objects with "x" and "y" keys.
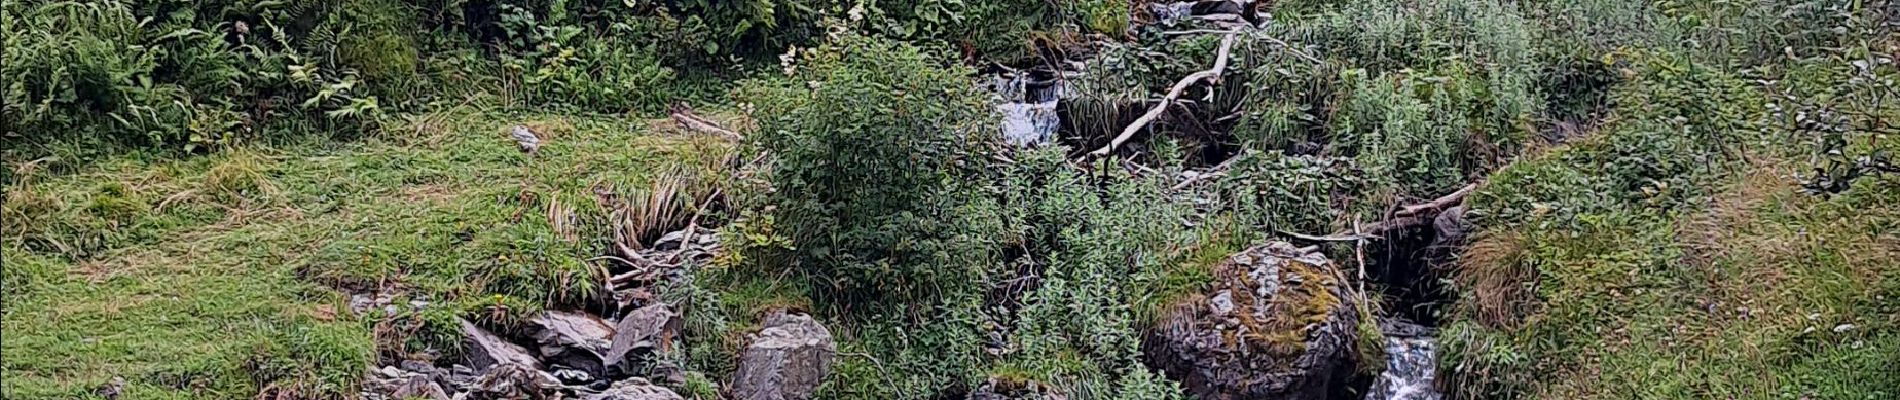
[{"x": 1278, "y": 324}]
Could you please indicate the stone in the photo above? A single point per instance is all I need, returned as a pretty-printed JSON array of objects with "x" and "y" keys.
[
  {"x": 573, "y": 340},
  {"x": 1278, "y": 324},
  {"x": 525, "y": 138},
  {"x": 486, "y": 350},
  {"x": 513, "y": 381},
  {"x": 646, "y": 330},
  {"x": 419, "y": 387},
  {"x": 635, "y": 389},
  {"x": 784, "y": 361}
]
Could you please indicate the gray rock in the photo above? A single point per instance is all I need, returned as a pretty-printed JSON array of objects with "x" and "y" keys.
[
  {"x": 486, "y": 350},
  {"x": 513, "y": 381},
  {"x": 571, "y": 339},
  {"x": 419, "y": 387},
  {"x": 785, "y": 361},
  {"x": 526, "y": 138},
  {"x": 647, "y": 330},
  {"x": 1278, "y": 324},
  {"x": 635, "y": 389}
]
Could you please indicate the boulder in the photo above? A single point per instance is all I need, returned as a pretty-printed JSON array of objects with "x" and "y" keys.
[
  {"x": 571, "y": 339},
  {"x": 647, "y": 330},
  {"x": 785, "y": 361},
  {"x": 635, "y": 389},
  {"x": 487, "y": 350},
  {"x": 1277, "y": 324}
]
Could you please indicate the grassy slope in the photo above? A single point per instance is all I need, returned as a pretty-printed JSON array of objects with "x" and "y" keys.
[
  {"x": 202, "y": 277},
  {"x": 1742, "y": 286}
]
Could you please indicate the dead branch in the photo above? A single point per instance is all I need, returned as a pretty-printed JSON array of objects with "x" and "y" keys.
[
  {"x": 1408, "y": 216},
  {"x": 1440, "y": 203},
  {"x": 684, "y": 116},
  {"x": 1220, "y": 65}
]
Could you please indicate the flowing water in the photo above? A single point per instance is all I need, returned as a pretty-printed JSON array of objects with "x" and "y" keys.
[
  {"x": 1028, "y": 107},
  {"x": 1411, "y": 359}
]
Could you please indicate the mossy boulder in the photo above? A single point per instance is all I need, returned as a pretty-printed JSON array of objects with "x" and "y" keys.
[{"x": 1277, "y": 324}]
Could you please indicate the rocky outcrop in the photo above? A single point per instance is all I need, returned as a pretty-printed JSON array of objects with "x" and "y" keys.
[
  {"x": 647, "y": 330},
  {"x": 1277, "y": 324},
  {"x": 487, "y": 350},
  {"x": 572, "y": 340},
  {"x": 635, "y": 389},
  {"x": 419, "y": 387},
  {"x": 513, "y": 381},
  {"x": 785, "y": 361}
]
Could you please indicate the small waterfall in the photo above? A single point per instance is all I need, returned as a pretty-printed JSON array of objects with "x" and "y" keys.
[
  {"x": 1028, "y": 106},
  {"x": 1411, "y": 355}
]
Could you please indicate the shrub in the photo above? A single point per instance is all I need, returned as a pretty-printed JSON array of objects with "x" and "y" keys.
[{"x": 871, "y": 138}]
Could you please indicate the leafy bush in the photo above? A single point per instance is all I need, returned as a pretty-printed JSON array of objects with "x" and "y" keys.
[{"x": 871, "y": 138}]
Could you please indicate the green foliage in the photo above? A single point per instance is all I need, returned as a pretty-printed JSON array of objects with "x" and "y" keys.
[
  {"x": 1278, "y": 192},
  {"x": 870, "y": 139},
  {"x": 1682, "y": 123},
  {"x": 1078, "y": 326},
  {"x": 163, "y": 74}
]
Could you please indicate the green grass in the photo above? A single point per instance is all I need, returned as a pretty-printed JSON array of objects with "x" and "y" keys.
[
  {"x": 216, "y": 277},
  {"x": 1655, "y": 262}
]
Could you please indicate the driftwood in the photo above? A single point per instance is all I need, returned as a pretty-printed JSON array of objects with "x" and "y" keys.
[
  {"x": 683, "y": 115},
  {"x": 1220, "y": 65},
  {"x": 1405, "y": 217}
]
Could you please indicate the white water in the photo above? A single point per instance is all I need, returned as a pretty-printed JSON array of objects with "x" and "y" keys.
[
  {"x": 1410, "y": 364},
  {"x": 1028, "y": 109}
]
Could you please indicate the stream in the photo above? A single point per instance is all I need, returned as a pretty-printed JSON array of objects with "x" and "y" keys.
[
  {"x": 1411, "y": 359},
  {"x": 1028, "y": 106}
]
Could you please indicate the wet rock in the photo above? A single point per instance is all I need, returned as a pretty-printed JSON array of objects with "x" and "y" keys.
[
  {"x": 486, "y": 350},
  {"x": 1002, "y": 388},
  {"x": 1278, "y": 324},
  {"x": 571, "y": 339},
  {"x": 785, "y": 361},
  {"x": 513, "y": 381},
  {"x": 647, "y": 330},
  {"x": 419, "y": 387},
  {"x": 635, "y": 389}
]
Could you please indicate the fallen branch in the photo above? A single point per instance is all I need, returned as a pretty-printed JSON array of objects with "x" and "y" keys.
[
  {"x": 1220, "y": 65},
  {"x": 1408, "y": 216},
  {"x": 1440, "y": 203},
  {"x": 684, "y": 116}
]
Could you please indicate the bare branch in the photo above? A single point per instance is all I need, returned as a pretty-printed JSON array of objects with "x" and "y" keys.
[{"x": 1220, "y": 65}]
